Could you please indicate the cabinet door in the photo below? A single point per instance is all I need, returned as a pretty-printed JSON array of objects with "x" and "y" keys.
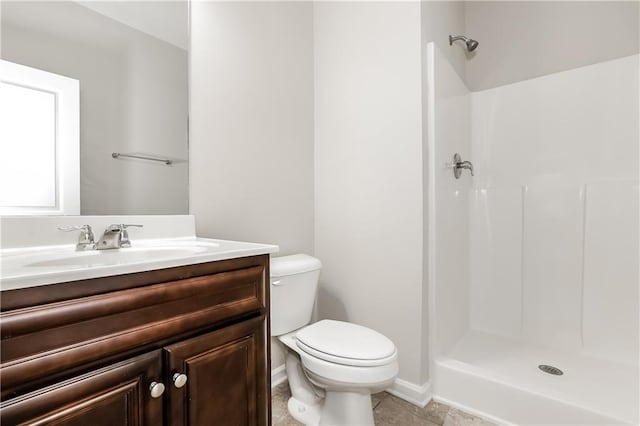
[
  {"x": 227, "y": 381},
  {"x": 115, "y": 395}
]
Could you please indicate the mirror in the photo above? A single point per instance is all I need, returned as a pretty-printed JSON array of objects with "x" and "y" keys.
[{"x": 130, "y": 62}]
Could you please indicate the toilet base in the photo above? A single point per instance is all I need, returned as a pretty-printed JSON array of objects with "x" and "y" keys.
[
  {"x": 313, "y": 406},
  {"x": 306, "y": 414},
  {"x": 306, "y": 400},
  {"x": 347, "y": 408}
]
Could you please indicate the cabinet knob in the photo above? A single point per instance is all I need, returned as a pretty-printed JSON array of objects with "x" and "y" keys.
[
  {"x": 156, "y": 389},
  {"x": 179, "y": 379}
]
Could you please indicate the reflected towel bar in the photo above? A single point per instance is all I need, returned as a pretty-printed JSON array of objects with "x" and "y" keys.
[{"x": 142, "y": 157}]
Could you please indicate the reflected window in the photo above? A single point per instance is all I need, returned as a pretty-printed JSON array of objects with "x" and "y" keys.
[{"x": 39, "y": 149}]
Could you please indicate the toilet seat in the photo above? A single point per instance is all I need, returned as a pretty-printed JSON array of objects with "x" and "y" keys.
[
  {"x": 348, "y": 362},
  {"x": 329, "y": 375},
  {"x": 346, "y": 344}
]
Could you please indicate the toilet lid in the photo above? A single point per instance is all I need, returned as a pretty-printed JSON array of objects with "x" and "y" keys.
[{"x": 346, "y": 343}]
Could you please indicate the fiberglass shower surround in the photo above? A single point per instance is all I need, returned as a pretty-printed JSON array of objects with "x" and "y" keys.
[{"x": 535, "y": 259}]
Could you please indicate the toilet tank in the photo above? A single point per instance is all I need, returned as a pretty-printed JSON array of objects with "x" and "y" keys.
[{"x": 294, "y": 281}]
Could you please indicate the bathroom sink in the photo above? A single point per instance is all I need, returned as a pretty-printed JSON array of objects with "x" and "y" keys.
[
  {"x": 120, "y": 256},
  {"x": 144, "y": 253},
  {"x": 54, "y": 264}
]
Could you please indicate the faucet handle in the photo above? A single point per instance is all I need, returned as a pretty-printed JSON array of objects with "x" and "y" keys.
[
  {"x": 125, "y": 241},
  {"x": 467, "y": 165},
  {"x": 85, "y": 240},
  {"x": 86, "y": 233},
  {"x": 69, "y": 228}
]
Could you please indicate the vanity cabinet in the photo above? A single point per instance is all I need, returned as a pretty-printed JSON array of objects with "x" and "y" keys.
[{"x": 89, "y": 352}]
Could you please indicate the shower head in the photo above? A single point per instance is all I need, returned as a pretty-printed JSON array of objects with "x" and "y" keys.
[{"x": 470, "y": 43}]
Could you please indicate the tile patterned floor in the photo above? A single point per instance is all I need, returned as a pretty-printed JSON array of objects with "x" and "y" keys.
[{"x": 387, "y": 410}]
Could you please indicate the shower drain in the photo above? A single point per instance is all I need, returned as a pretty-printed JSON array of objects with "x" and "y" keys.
[{"x": 550, "y": 369}]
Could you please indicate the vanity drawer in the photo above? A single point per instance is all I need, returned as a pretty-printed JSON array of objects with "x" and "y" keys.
[
  {"x": 115, "y": 395},
  {"x": 50, "y": 339}
]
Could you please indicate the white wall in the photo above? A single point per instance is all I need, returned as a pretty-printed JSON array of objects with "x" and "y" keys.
[
  {"x": 251, "y": 125},
  {"x": 368, "y": 170},
  {"x": 439, "y": 20},
  {"x": 130, "y": 82},
  {"x": 554, "y": 216},
  {"x": 525, "y": 39},
  {"x": 166, "y": 20},
  {"x": 251, "y": 146}
]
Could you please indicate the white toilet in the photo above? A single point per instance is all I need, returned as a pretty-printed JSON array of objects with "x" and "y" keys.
[{"x": 332, "y": 366}]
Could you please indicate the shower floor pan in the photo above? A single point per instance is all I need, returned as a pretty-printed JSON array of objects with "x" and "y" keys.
[{"x": 499, "y": 379}]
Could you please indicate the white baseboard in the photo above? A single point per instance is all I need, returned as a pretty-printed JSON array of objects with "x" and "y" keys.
[
  {"x": 415, "y": 394},
  {"x": 278, "y": 375}
]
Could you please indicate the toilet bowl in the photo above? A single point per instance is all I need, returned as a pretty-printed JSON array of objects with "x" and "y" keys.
[{"x": 332, "y": 366}]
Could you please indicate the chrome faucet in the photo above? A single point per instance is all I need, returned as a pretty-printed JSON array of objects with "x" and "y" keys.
[
  {"x": 115, "y": 237},
  {"x": 459, "y": 166},
  {"x": 85, "y": 240}
]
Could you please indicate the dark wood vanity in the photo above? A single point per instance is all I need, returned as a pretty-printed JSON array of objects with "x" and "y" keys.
[{"x": 99, "y": 351}]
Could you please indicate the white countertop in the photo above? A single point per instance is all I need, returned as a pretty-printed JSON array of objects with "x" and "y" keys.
[{"x": 35, "y": 266}]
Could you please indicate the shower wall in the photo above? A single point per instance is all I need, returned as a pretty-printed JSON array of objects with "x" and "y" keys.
[
  {"x": 553, "y": 211},
  {"x": 448, "y": 132}
]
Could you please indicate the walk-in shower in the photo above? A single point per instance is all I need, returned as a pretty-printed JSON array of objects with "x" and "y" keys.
[{"x": 533, "y": 262}]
